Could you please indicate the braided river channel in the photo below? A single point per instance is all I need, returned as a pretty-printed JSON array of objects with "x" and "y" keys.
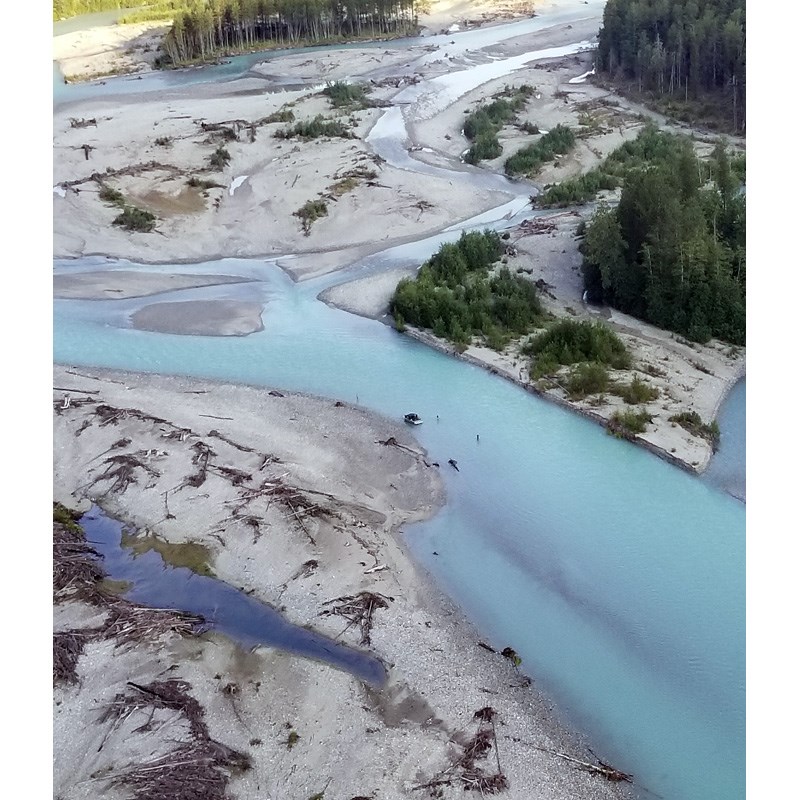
[{"x": 618, "y": 578}]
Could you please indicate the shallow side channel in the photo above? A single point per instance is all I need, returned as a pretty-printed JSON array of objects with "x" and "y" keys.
[{"x": 226, "y": 609}]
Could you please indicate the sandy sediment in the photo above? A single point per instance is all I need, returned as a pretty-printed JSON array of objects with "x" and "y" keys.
[
  {"x": 352, "y": 741},
  {"x": 121, "y": 284},
  {"x": 200, "y": 318}
]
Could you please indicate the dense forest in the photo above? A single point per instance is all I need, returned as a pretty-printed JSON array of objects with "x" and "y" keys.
[
  {"x": 688, "y": 54},
  {"x": 212, "y": 25},
  {"x": 672, "y": 252}
]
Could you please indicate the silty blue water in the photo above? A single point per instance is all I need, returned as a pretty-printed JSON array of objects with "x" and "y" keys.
[
  {"x": 618, "y": 578},
  {"x": 244, "y": 619},
  {"x": 727, "y": 468}
]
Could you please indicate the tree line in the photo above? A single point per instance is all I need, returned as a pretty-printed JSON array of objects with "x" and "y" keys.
[
  {"x": 208, "y": 26},
  {"x": 672, "y": 252},
  {"x": 63, "y": 9},
  {"x": 689, "y": 50}
]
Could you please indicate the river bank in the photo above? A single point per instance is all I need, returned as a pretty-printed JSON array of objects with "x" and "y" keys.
[{"x": 351, "y": 740}]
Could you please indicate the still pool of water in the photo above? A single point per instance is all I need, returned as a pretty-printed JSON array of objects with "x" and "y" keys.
[
  {"x": 226, "y": 609},
  {"x": 618, "y": 578}
]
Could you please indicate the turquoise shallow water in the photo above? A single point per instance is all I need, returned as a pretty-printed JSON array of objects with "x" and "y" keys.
[{"x": 617, "y": 578}]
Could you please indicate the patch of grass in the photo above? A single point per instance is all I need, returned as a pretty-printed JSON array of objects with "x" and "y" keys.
[
  {"x": 691, "y": 421},
  {"x": 164, "y": 141},
  {"x": 310, "y": 213},
  {"x": 292, "y": 739},
  {"x": 635, "y": 392},
  {"x": 136, "y": 219}
]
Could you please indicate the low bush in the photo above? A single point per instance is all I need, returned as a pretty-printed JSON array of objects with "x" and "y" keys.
[
  {"x": 628, "y": 423},
  {"x": 282, "y": 115},
  {"x": 571, "y": 342},
  {"x": 346, "y": 95},
  {"x": 136, "y": 219},
  {"x": 310, "y": 212},
  {"x": 637, "y": 391},
  {"x": 586, "y": 379},
  {"x": 315, "y": 128},
  {"x": 220, "y": 158},
  {"x": 199, "y": 183},
  {"x": 529, "y": 160}
]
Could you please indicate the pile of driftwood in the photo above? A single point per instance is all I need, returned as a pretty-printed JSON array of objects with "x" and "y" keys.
[
  {"x": 78, "y": 574},
  {"x": 536, "y": 226},
  {"x": 357, "y": 610},
  {"x": 464, "y": 770},
  {"x": 601, "y": 769},
  {"x": 196, "y": 770}
]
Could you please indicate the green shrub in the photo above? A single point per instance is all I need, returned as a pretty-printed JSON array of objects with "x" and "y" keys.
[
  {"x": 587, "y": 378},
  {"x": 572, "y": 341},
  {"x": 575, "y": 191},
  {"x": 282, "y": 115},
  {"x": 136, "y": 219},
  {"x": 627, "y": 423},
  {"x": 313, "y": 129},
  {"x": 482, "y": 125},
  {"x": 220, "y": 158},
  {"x": 310, "y": 212},
  {"x": 163, "y": 141},
  {"x": 344, "y": 95},
  {"x": 455, "y": 295},
  {"x": 637, "y": 391},
  {"x": 529, "y": 160}
]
